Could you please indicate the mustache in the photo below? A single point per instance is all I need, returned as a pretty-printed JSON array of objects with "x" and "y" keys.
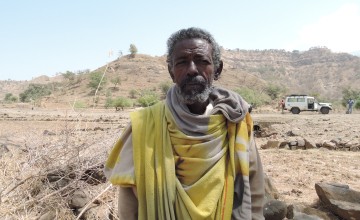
[{"x": 193, "y": 80}]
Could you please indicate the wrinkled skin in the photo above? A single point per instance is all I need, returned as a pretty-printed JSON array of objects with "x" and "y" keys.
[{"x": 193, "y": 72}]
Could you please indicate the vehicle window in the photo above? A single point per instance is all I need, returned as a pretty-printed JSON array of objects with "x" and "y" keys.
[
  {"x": 291, "y": 99},
  {"x": 301, "y": 99}
]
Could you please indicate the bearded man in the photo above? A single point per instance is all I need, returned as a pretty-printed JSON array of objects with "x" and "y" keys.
[{"x": 193, "y": 155}]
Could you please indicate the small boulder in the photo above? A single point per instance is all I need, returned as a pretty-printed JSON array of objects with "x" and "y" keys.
[
  {"x": 283, "y": 144},
  {"x": 309, "y": 144},
  {"x": 78, "y": 199},
  {"x": 329, "y": 145},
  {"x": 275, "y": 210},
  {"x": 293, "y": 143},
  {"x": 49, "y": 215},
  {"x": 340, "y": 199},
  {"x": 354, "y": 148},
  {"x": 301, "y": 143}
]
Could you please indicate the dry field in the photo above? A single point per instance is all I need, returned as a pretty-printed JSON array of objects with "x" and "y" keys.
[
  {"x": 35, "y": 143},
  {"x": 295, "y": 172}
]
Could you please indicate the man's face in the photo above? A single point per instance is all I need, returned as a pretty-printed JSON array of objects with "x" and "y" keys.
[{"x": 193, "y": 70}]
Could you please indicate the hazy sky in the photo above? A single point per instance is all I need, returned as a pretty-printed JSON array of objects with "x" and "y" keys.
[{"x": 41, "y": 37}]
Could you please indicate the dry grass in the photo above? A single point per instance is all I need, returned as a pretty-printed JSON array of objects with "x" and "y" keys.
[{"x": 45, "y": 167}]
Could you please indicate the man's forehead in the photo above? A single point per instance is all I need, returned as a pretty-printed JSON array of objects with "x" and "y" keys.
[{"x": 193, "y": 44}]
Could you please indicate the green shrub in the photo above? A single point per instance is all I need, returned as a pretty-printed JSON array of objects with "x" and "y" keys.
[
  {"x": 253, "y": 97},
  {"x": 116, "y": 81},
  {"x": 148, "y": 98},
  {"x": 34, "y": 92},
  {"x": 357, "y": 104},
  {"x": 350, "y": 94},
  {"x": 69, "y": 76},
  {"x": 108, "y": 102},
  {"x": 165, "y": 86},
  {"x": 13, "y": 99},
  {"x": 121, "y": 103},
  {"x": 79, "y": 104},
  {"x": 134, "y": 93},
  {"x": 96, "y": 81},
  {"x": 133, "y": 50},
  {"x": 273, "y": 91},
  {"x": 9, "y": 98}
]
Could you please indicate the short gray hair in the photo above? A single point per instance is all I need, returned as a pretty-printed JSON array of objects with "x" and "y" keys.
[{"x": 193, "y": 33}]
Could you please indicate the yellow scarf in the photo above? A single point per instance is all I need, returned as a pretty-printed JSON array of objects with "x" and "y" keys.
[{"x": 158, "y": 149}]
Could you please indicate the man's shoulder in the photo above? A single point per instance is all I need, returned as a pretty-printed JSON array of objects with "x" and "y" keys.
[
  {"x": 149, "y": 109},
  {"x": 221, "y": 92},
  {"x": 156, "y": 105}
]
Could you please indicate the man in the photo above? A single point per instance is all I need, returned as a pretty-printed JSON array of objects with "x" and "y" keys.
[
  {"x": 350, "y": 106},
  {"x": 282, "y": 105},
  {"x": 193, "y": 155}
]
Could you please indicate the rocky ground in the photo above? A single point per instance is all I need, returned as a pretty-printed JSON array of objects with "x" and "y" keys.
[
  {"x": 35, "y": 143},
  {"x": 295, "y": 172}
]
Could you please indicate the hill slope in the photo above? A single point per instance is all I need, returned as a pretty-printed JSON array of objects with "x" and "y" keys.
[{"x": 316, "y": 71}]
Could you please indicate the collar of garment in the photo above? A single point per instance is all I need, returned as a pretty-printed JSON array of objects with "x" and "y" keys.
[{"x": 225, "y": 102}]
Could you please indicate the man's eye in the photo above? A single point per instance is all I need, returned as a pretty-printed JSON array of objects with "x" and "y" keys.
[
  {"x": 180, "y": 62},
  {"x": 204, "y": 62}
]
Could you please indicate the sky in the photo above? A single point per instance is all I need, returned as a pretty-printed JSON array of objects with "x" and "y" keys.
[{"x": 42, "y": 37}]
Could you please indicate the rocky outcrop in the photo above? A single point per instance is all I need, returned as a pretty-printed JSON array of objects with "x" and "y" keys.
[
  {"x": 340, "y": 199},
  {"x": 294, "y": 141},
  {"x": 275, "y": 208}
]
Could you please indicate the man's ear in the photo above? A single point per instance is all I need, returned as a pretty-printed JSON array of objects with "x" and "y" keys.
[
  {"x": 218, "y": 70},
  {"x": 171, "y": 73}
]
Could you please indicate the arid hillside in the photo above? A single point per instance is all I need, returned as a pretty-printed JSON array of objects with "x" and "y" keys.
[
  {"x": 317, "y": 71},
  {"x": 52, "y": 153}
]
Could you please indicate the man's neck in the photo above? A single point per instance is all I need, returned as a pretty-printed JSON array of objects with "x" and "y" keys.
[{"x": 198, "y": 108}]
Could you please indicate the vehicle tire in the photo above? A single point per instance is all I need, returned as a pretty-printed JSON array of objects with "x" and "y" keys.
[
  {"x": 295, "y": 110},
  {"x": 324, "y": 110}
]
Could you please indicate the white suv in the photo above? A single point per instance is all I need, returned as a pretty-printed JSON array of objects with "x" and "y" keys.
[{"x": 298, "y": 103}]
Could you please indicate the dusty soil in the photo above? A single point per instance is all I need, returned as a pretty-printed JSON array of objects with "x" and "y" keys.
[{"x": 293, "y": 172}]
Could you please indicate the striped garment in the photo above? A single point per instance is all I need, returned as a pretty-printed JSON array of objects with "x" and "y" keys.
[{"x": 187, "y": 166}]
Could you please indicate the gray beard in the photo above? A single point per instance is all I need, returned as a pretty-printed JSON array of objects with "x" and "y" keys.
[{"x": 194, "y": 97}]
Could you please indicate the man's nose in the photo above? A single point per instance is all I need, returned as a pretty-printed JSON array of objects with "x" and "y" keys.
[{"x": 192, "y": 69}]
